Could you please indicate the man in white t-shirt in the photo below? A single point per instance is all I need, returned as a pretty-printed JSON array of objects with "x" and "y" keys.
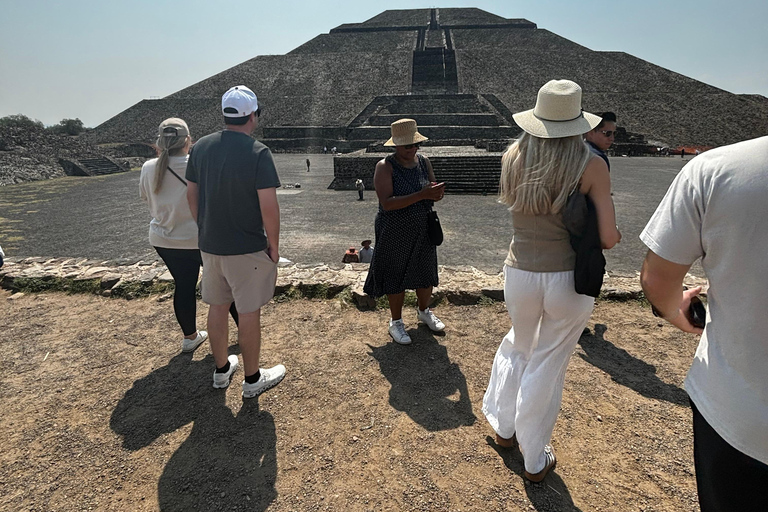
[{"x": 717, "y": 210}]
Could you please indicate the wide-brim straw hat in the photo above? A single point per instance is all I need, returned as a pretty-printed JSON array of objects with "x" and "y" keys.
[
  {"x": 404, "y": 132},
  {"x": 557, "y": 113}
]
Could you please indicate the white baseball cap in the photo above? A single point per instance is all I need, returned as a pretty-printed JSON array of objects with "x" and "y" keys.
[{"x": 239, "y": 101}]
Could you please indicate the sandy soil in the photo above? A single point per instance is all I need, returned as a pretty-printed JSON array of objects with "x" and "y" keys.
[{"x": 102, "y": 412}]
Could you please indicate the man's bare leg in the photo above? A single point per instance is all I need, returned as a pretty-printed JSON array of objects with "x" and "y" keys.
[
  {"x": 249, "y": 337},
  {"x": 218, "y": 332}
]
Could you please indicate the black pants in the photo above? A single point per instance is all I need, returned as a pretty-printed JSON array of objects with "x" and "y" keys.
[
  {"x": 184, "y": 265},
  {"x": 727, "y": 479},
  {"x": 360, "y": 193}
]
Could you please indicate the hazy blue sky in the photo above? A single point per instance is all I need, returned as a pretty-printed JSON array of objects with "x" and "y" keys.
[{"x": 93, "y": 59}]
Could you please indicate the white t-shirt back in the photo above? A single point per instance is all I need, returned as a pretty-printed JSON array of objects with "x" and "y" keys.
[{"x": 717, "y": 210}]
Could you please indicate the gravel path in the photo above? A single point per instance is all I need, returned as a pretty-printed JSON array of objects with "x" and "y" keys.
[{"x": 103, "y": 218}]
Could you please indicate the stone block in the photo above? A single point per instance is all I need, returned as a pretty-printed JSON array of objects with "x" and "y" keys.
[{"x": 110, "y": 280}]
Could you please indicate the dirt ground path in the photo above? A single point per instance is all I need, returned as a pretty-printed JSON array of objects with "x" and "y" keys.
[{"x": 102, "y": 412}]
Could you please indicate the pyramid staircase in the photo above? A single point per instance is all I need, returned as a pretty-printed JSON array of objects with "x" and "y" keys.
[
  {"x": 468, "y": 174},
  {"x": 447, "y": 119},
  {"x": 91, "y": 165}
]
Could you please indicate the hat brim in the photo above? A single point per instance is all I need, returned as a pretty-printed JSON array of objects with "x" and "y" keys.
[
  {"x": 405, "y": 140},
  {"x": 555, "y": 129}
]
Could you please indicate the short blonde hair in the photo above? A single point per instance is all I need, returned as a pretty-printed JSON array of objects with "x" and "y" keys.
[{"x": 538, "y": 174}]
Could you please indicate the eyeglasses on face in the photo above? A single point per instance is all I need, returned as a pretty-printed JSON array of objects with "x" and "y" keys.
[
  {"x": 411, "y": 146},
  {"x": 608, "y": 133}
]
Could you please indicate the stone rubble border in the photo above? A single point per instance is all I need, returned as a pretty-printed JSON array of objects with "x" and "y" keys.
[{"x": 127, "y": 279}]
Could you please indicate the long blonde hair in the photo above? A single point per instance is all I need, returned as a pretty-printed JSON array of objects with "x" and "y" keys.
[
  {"x": 168, "y": 144},
  {"x": 538, "y": 174}
]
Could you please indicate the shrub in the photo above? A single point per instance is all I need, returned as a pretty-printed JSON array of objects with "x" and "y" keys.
[
  {"x": 20, "y": 121},
  {"x": 68, "y": 127}
]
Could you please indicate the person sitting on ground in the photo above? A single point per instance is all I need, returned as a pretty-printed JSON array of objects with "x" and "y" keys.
[
  {"x": 405, "y": 259},
  {"x": 601, "y": 137},
  {"x": 539, "y": 172},
  {"x": 172, "y": 230},
  {"x": 350, "y": 256},
  {"x": 366, "y": 252}
]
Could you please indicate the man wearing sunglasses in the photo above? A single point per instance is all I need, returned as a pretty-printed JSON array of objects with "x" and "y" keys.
[{"x": 601, "y": 137}]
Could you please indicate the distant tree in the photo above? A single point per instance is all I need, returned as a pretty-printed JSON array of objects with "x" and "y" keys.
[
  {"x": 20, "y": 121},
  {"x": 68, "y": 127}
]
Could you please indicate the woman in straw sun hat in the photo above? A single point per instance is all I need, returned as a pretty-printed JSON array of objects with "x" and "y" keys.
[
  {"x": 539, "y": 171},
  {"x": 173, "y": 231},
  {"x": 404, "y": 257}
]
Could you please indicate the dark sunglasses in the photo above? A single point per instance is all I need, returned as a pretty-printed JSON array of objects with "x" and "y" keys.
[
  {"x": 411, "y": 146},
  {"x": 608, "y": 133},
  {"x": 258, "y": 112}
]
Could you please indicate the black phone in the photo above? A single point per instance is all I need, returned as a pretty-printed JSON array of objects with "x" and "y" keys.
[{"x": 697, "y": 313}]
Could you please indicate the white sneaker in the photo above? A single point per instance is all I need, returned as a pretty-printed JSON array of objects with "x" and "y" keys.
[
  {"x": 429, "y": 318},
  {"x": 188, "y": 345},
  {"x": 270, "y": 377},
  {"x": 221, "y": 380},
  {"x": 397, "y": 331}
]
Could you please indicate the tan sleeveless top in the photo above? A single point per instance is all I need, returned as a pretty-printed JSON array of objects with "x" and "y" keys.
[{"x": 540, "y": 243}]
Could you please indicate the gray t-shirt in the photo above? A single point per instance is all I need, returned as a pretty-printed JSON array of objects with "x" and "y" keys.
[{"x": 229, "y": 168}]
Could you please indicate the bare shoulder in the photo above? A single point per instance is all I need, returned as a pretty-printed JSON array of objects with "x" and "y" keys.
[{"x": 384, "y": 165}]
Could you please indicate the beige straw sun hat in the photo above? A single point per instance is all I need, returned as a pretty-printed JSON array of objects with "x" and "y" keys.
[
  {"x": 404, "y": 132},
  {"x": 557, "y": 113}
]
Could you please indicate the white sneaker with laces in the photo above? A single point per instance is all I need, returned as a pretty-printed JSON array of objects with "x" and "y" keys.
[
  {"x": 221, "y": 380},
  {"x": 188, "y": 345},
  {"x": 269, "y": 378},
  {"x": 429, "y": 318},
  {"x": 397, "y": 331}
]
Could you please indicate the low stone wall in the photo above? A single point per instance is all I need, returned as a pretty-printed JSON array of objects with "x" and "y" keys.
[{"x": 459, "y": 285}]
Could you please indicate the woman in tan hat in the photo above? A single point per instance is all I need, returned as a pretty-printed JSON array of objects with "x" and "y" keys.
[
  {"x": 404, "y": 258},
  {"x": 173, "y": 231},
  {"x": 539, "y": 171}
]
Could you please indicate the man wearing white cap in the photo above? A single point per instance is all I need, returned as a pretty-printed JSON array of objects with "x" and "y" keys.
[{"x": 232, "y": 193}]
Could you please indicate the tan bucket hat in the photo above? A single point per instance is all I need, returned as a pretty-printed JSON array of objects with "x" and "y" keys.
[
  {"x": 404, "y": 132},
  {"x": 557, "y": 113}
]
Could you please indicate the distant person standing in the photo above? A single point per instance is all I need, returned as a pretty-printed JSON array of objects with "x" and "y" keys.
[
  {"x": 173, "y": 231},
  {"x": 601, "y": 137},
  {"x": 307, "y": 164},
  {"x": 2, "y": 256},
  {"x": 715, "y": 211},
  {"x": 360, "y": 186},
  {"x": 682, "y": 153},
  {"x": 233, "y": 195},
  {"x": 366, "y": 252}
]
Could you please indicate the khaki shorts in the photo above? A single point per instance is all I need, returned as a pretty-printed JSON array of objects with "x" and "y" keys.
[{"x": 248, "y": 280}]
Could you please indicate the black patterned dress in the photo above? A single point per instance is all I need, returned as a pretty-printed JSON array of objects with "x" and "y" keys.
[{"x": 403, "y": 258}]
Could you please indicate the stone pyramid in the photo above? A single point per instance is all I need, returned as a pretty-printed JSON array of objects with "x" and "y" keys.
[{"x": 460, "y": 72}]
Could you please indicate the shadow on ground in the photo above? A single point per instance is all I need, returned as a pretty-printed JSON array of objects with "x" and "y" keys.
[
  {"x": 628, "y": 370},
  {"x": 425, "y": 384},
  {"x": 228, "y": 462},
  {"x": 549, "y": 495}
]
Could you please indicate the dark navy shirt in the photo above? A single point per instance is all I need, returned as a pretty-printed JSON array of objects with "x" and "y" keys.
[
  {"x": 229, "y": 168},
  {"x": 599, "y": 152}
]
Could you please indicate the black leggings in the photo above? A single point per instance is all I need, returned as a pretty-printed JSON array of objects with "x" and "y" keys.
[{"x": 184, "y": 265}]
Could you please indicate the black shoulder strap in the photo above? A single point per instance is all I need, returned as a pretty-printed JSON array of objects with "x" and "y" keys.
[{"x": 180, "y": 179}]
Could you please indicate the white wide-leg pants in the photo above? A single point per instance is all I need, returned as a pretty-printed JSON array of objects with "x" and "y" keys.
[{"x": 528, "y": 374}]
